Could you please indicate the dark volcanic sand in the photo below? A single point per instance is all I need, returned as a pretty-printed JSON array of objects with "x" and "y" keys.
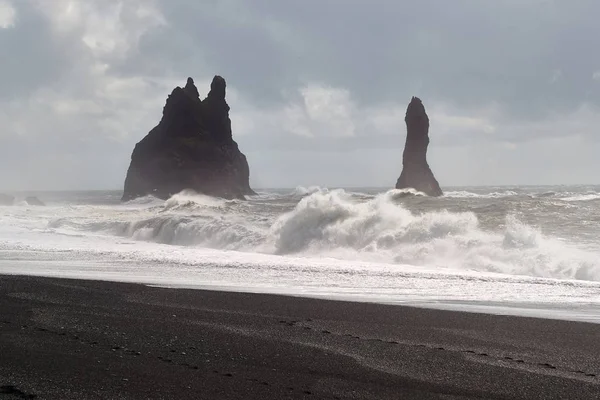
[{"x": 69, "y": 339}]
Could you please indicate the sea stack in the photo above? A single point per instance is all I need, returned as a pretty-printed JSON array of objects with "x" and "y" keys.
[
  {"x": 416, "y": 173},
  {"x": 191, "y": 148}
]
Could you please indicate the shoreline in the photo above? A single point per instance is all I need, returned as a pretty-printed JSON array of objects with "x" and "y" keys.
[
  {"x": 574, "y": 310},
  {"x": 76, "y": 339},
  {"x": 589, "y": 315}
]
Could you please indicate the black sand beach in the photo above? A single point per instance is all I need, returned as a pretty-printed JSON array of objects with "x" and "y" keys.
[{"x": 70, "y": 339}]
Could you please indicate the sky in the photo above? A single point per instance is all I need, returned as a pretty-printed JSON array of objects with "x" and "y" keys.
[{"x": 317, "y": 88}]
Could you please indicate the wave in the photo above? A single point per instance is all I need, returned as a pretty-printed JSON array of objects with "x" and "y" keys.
[
  {"x": 582, "y": 197},
  {"x": 408, "y": 192},
  {"x": 470, "y": 195},
  {"x": 381, "y": 230},
  {"x": 144, "y": 200},
  {"x": 338, "y": 224},
  {"x": 301, "y": 191},
  {"x": 564, "y": 196},
  {"x": 188, "y": 199},
  {"x": 262, "y": 196},
  {"x": 550, "y": 193}
]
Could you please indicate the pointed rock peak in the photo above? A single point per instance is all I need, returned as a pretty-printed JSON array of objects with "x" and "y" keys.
[
  {"x": 191, "y": 89},
  {"x": 416, "y": 173},
  {"x": 415, "y": 108},
  {"x": 190, "y": 148},
  {"x": 217, "y": 87}
]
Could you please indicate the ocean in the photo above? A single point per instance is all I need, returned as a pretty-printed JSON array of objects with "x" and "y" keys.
[{"x": 526, "y": 250}]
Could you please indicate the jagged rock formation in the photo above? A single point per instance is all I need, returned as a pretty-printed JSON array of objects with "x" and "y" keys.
[
  {"x": 6, "y": 200},
  {"x": 416, "y": 173},
  {"x": 191, "y": 148},
  {"x": 34, "y": 201}
]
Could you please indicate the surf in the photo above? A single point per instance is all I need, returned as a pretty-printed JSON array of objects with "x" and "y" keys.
[{"x": 386, "y": 227}]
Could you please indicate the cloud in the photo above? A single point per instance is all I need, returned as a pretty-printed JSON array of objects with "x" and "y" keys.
[
  {"x": 8, "y": 14},
  {"x": 307, "y": 82},
  {"x": 65, "y": 106},
  {"x": 108, "y": 29},
  {"x": 556, "y": 75},
  {"x": 323, "y": 118},
  {"x": 83, "y": 98}
]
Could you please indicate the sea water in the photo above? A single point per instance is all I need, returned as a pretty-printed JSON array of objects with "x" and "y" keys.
[{"x": 512, "y": 250}]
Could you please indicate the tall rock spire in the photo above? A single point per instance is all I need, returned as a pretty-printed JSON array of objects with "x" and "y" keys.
[
  {"x": 216, "y": 111},
  {"x": 416, "y": 173}
]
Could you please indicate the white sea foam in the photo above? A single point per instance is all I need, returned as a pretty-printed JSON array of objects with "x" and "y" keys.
[
  {"x": 466, "y": 194},
  {"x": 145, "y": 200},
  {"x": 301, "y": 191},
  {"x": 582, "y": 197},
  {"x": 188, "y": 198},
  {"x": 373, "y": 247},
  {"x": 332, "y": 224}
]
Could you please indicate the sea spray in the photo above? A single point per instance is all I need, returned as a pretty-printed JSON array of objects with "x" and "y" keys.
[
  {"x": 397, "y": 227},
  {"x": 532, "y": 253},
  {"x": 333, "y": 224}
]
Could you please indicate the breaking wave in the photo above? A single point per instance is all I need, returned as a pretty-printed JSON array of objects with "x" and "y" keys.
[
  {"x": 466, "y": 194},
  {"x": 582, "y": 197},
  {"x": 145, "y": 200},
  {"x": 301, "y": 191},
  {"x": 332, "y": 224},
  {"x": 563, "y": 196},
  {"x": 343, "y": 225}
]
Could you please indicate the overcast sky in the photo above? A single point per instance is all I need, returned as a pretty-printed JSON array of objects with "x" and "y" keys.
[{"x": 317, "y": 88}]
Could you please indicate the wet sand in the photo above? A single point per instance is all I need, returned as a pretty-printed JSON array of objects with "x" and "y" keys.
[{"x": 73, "y": 339}]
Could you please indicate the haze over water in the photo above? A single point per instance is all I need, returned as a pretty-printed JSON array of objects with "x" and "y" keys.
[{"x": 523, "y": 250}]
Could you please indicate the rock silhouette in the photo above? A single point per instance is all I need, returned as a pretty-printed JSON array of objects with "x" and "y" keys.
[
  {"x": 416, "y": 173},
  {"x": 191, "y": 148}
]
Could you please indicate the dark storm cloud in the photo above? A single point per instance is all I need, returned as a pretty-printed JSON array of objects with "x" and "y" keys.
[{"x": 532, "y": 57}]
